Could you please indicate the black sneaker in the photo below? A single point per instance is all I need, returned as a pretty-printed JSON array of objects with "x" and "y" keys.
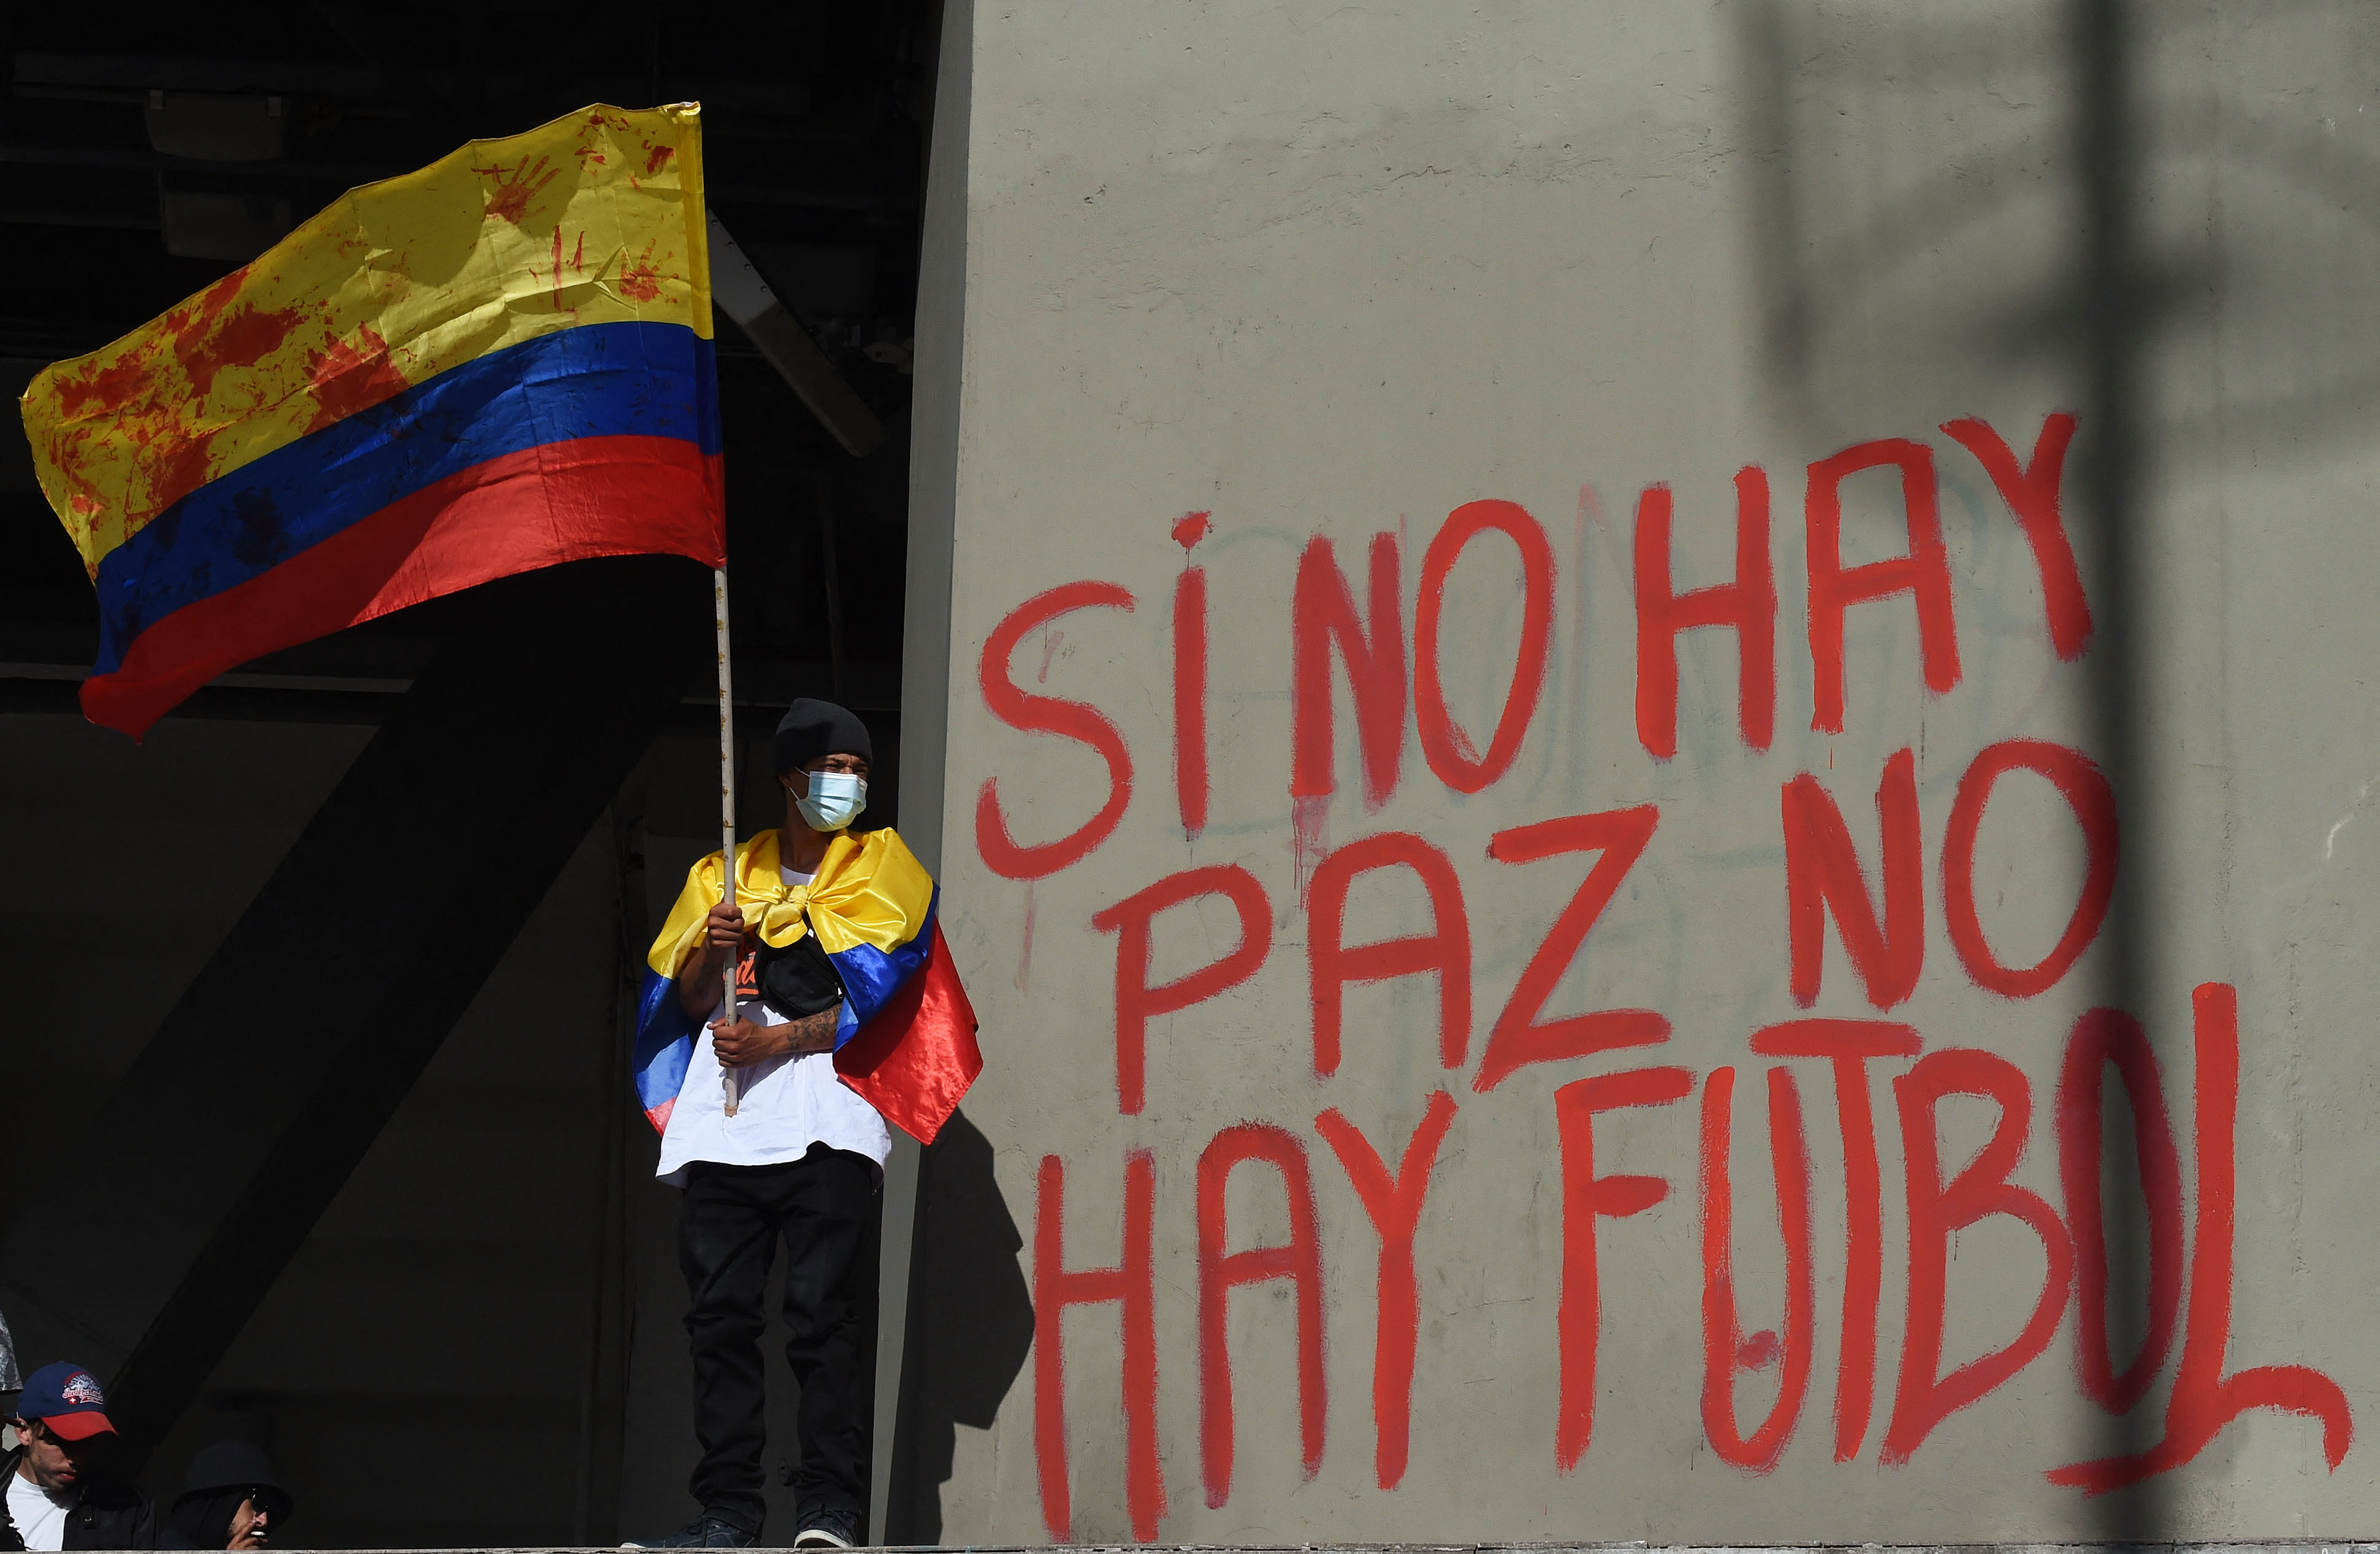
[
  {"x": 703, "y": 1532},
  {"x": 828, "y": 1526}
]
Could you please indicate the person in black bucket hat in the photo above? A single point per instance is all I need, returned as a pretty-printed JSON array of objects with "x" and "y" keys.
[{"x": 232, "y": 1500}]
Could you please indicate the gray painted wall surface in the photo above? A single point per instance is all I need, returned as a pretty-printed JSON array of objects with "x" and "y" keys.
[{"x": 1332, "y": 270}]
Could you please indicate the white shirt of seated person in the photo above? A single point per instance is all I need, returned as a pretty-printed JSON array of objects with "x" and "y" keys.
[{"x": 40, "y": 1515}]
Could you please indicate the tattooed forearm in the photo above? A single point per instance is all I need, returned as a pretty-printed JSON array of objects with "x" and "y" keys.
[{"x": 813, "y": 1033}]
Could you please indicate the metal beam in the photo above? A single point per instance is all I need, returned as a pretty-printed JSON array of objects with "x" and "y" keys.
[
  {"x": 130, "y": 77},
  {"x": 187, "y": 1195},
  {"x": 121, "y": 221},
  {"x": 363, "y": 699},
  {"x": 742, "y": 295},
  {"x": 348, "y": 174}
]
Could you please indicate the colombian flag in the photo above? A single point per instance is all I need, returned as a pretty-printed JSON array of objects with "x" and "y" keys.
[
  {"x": 500, "y": 362},
  {"x": 905, "y": 1040}
]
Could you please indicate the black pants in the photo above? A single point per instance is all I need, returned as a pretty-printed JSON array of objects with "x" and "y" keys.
[{"x": 728, "y": 1234}]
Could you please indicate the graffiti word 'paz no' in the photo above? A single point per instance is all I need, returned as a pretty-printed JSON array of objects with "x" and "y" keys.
[{"x": 1882, "y": 931}]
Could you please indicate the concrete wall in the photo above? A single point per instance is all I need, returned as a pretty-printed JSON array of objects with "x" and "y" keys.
[{"x": 1335, "y": 272}]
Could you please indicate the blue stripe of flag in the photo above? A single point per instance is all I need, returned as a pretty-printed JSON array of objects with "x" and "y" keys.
[
  {"x": 870, "y": 976},
  {"x": 606, "y": 380},
  {"x": 664, "y": 1047}
]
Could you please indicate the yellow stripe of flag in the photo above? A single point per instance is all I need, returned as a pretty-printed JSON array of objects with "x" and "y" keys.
[{"x": 594, "y": 218}]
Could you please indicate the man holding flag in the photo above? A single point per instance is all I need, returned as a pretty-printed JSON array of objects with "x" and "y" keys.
[
  {"x": 503, "y": 362},
  {"x": 772, "y": 1132}
]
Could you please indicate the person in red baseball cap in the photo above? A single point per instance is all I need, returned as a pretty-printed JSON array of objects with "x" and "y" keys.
[{"x": 55, "y": 1498}]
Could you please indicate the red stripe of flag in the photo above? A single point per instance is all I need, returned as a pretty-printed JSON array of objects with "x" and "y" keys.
[
  {"x": 593, "y": 496},
  {"x": 914, "y": 1060}
]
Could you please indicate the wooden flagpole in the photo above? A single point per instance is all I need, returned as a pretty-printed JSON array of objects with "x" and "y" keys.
[{"x": 726, "y": 812}]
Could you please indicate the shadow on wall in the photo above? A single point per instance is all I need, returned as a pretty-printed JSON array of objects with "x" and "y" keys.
[
  {"x": 970, "y": 1323},
  {"x": 1946, "y": 208},
  {"x": 2163, "y": 216}
]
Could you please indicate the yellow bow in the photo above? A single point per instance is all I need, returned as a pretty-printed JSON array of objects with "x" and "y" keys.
[
  {"x": 869, "y": 889},
  {"x": 773, "y": 909}
]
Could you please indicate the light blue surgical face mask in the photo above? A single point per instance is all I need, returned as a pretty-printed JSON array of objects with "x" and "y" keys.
[{"x": 834, "y": 800}]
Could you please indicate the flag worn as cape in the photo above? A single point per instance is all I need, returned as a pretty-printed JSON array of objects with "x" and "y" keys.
[
  {"x": 905, "y": 1039},
  {"x": 500, "y": 362}
]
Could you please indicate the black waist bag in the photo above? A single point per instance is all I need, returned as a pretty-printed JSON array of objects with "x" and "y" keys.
[{"x": 798, "y": 980}]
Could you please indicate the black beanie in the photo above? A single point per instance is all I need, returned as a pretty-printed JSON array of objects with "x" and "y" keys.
[
  {"x": 230, "y": 1465},
  {"x": 811, "y": 729}
]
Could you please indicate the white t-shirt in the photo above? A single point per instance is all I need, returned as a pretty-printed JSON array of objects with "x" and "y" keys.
[
  {"x": 786, "y": 1105},
  {"x": 40, "y": 1517}
]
